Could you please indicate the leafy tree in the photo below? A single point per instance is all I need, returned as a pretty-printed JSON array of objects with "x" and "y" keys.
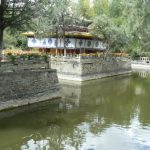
[
  {"x": 15, "y": 40},
  {"x": 57, "y": 17},
  {"x": 14, "y": 14},
  {"x": 84, "y": 9},
  {"x": 101, "y": 7},
  {"x": 9, "y": 40},
  {"x": 116, "y": 8},
  {"x": 114, "y": 36},
  {"x": 131, "y": 18},
  {"x": 136, "y": 19},
  {"x": 124, "y": 24}
]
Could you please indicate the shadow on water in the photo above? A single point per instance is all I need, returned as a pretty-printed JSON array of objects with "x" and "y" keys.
[{"x": 89, "y": 116}]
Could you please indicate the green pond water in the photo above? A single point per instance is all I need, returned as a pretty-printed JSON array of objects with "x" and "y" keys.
[{"x": 106, "y": 114}]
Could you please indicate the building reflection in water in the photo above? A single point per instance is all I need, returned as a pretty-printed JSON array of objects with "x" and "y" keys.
[
  {"x": 142, "y": 73},
  {"x": 100, "y": 114}
]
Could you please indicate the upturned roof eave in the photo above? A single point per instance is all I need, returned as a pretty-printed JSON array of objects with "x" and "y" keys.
[{"x": 67, "y": 34}]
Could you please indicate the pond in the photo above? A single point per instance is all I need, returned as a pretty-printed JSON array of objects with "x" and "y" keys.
[{"x": 106, "y": 114}]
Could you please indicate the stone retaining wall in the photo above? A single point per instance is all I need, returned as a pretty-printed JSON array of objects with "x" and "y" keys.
[
  {"x": 22, "y": 65},
  {"x": 24, "y": 87},
  {"x": 143, "y": 63},
  {"x": 92, "y": 68}
]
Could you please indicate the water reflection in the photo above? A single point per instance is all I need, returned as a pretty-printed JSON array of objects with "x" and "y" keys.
[
  {"x": 142, "y": 73},
  {"x": 106, "y": 114}
]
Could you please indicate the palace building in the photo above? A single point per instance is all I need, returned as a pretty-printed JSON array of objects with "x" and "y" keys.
[
  {"x": 77, "y": 55},
  {"x": 77, "y": 40}
]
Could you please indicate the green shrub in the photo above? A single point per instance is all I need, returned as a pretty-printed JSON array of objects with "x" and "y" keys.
[
  {"x": 13, "y": 58},
  {"x": 45, "y": 58}
]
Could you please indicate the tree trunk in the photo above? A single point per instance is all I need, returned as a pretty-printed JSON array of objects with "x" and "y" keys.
[
  {"x": 1, "y": 43},
  {"x": 64, "y": 38},
  {"x": 2, "y": 6},
  {"x": 1, "y": 39}
]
